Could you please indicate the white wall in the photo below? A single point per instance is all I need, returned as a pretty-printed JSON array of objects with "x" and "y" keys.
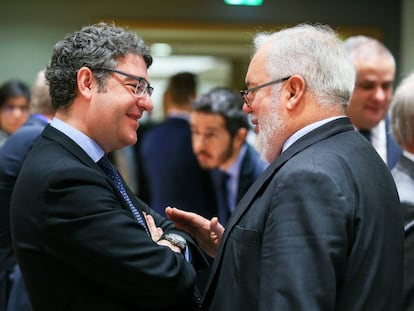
[{"x": 407, "y": 38}]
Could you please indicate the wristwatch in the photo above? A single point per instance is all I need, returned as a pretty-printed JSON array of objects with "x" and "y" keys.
[{"x": 176, "y": 240}]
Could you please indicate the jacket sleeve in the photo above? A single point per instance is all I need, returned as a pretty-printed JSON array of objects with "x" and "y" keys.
[{"x": 90, "y": 231}]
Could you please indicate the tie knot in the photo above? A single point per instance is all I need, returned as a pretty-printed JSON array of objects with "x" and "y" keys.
[
  {"x": 220, "y": 177},
  {"x": 107, "y": 167},
  {"x": 366, "y": 134}
]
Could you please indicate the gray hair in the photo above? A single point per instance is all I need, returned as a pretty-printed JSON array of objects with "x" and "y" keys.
[
  {"x": 362, "y": 47},
  {"x": 402, "y": 112},
  {"x": 94, "y": 46},
  {"x": 314, "y": 52},
  {"x": 41, "y": 101}
]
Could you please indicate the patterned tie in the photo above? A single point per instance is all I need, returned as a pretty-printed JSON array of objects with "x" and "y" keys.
[
  {"x": 220, "y": 184},
  {"x": 111, "y": 171}
]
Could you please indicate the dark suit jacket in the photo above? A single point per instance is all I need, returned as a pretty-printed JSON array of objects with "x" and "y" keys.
[
  {"x": 403, "y": 174},
  {"x": 320, "y": 229},
  {"x": 251, "y": 168},
  {"x": 12, "y": 155},
  {"x": 171, "y": 170},
  {"x": 79, "y": 246}
]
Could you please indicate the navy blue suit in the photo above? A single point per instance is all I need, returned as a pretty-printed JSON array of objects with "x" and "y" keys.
[
  {"x": 252, "y": 167},
  {"x": 12, "y": 156},
  {"x": 171, "y": 171}
]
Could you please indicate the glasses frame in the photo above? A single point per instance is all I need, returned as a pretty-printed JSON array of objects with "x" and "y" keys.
[
  {"x": 147, "y": 88},
  {"x": 245, "y": 93}
]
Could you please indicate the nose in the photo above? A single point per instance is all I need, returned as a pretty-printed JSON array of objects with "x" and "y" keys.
[
  {"x": 145, "y": 103},
  {"x": 198, "y": 142},
  {"x": 246, "y": 108},
  {"x": 18, "y": 112},
  {"x": 380, "y": 94}
]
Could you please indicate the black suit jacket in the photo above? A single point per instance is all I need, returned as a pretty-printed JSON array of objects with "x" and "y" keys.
[
  {"x": 403, "y": 174},
  {"x": 79, "y": 246},
  {"x": 320, "y": 229}
]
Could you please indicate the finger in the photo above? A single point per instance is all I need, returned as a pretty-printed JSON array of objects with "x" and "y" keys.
[
  {"x": 216, "y": 228},
  {"x": 151, "y": 223}
]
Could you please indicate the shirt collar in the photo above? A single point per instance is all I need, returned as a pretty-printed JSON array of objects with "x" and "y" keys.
[
  {"x": 84, "y": 141},
  {"x": 303, "y": 131}
]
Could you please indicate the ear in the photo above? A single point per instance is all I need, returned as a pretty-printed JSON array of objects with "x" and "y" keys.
[
  {"x": 85, "y": 81},
  {"x": 240, "y": 137},
  {"x": 296, "y": 89}
]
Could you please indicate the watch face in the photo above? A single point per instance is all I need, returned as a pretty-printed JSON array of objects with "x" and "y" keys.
[{"x": 176, "y": 240}]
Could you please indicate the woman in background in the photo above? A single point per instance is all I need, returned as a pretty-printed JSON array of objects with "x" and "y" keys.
[{"x": 14, "y": 107}]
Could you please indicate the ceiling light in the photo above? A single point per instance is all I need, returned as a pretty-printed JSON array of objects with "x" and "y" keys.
[{"x": 244, "y": 2}]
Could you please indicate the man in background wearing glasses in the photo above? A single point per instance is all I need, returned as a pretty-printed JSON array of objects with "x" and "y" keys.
[
  {"x": 82, "y": 239},
  {"x": 321, "y": 228}
]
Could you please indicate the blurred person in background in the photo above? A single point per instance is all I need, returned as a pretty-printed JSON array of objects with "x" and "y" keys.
[
  {"x": 375, "y": 67},
  {"x": 14, "y": 107},
  {"x": 12, "y": 156},
  {"x": 402, "y": 124},
  {"x": 169, "y": 173},
  {"x": 219, "y": 129}
]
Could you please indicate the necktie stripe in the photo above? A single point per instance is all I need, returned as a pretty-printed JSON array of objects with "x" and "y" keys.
[{"x": 111, "y": 171}]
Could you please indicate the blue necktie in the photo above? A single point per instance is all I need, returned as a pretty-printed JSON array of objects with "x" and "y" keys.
[
  {"x": 220, "y": 184},
  {"x": 111, "y": 171}
]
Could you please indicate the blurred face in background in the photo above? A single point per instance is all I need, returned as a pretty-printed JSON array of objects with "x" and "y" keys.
[
  {"x": 212, "y": 143},
  {"x": 373, "y": 90},
  {"x": 14, "y": 113}
]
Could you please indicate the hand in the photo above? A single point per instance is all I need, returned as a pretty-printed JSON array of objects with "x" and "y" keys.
[
  {"x": 156, "y": 232},
  {"x": 207, "y": 233}
]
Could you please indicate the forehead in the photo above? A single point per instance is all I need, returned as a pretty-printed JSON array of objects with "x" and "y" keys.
[
  {"x": 207, "y": 120},
  {"x": 375, "y": 65},
  {"x": 133, "y": 64},
  {"x": 17, "y": 101},
  {"x": 257, "y": 67}
]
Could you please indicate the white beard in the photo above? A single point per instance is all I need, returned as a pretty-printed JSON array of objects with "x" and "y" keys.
[{"x": 271, "y": 126}]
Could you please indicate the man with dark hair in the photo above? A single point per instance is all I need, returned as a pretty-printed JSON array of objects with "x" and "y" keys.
[
  {"x": 82, "y": 239},
  {"x": 169, "y": 173},
  {"x": 219, "y": 129}
]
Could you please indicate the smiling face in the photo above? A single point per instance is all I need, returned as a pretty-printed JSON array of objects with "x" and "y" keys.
[
  {"x": 373, "y": 90},
  {"x": 110, "y": 116}
]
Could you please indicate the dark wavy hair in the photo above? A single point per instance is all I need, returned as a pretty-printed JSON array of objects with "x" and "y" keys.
[
  {"x": 94, "y": 46},
  {"x": 226, "y": 103}
]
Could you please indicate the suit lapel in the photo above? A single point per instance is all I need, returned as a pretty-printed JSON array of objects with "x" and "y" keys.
[
  {"x": 325, "y": 131},
  {"x": 407, "y": 165},
  {"x": 60, "y": 138}
]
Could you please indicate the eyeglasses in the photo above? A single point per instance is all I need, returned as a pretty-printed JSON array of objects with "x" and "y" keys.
[
  {"x": 245, "y": 93},
  {"x": 142, "y": 86}
]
